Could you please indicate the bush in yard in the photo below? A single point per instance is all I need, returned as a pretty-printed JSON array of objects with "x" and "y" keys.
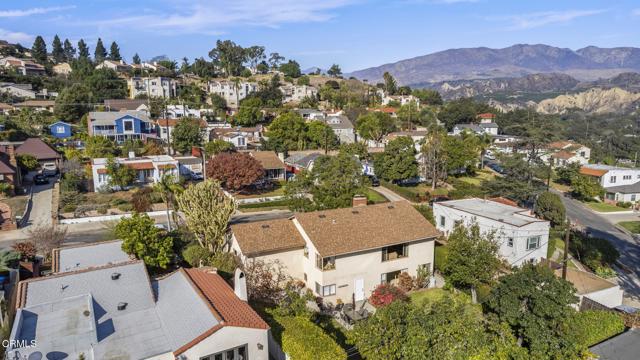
[
  {"x": 26, "y": 249},
  {"x": 405, "y": 282},
  {"x": 27, "y": 162},
  {"x": 71, "y": 182},
  {"x": 69, "y": 208},
  {"x": 225, "y": 262},
  {"x": 195, "y": 255},
  {"x": 624, "y": 204},
  {"x": 146, "y": 242},
  {"x": 549, "y": 206},
  {"x": 102, "y": 209},
  {"x": 141, "y": 199},
  {"x": 593, "y": 326},
  {"x": 126, "y": 207},
  {"x": 422, "y": 278},
  {"x": 234, "y": 170},
  {"x": 385, "y": 294},
  {"x": 585, "y": 188},
  {"x": 594, "y": 252},
  {"x": 5, "y": 189}
]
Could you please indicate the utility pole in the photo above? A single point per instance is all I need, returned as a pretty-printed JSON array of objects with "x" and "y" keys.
[{"x": 565, "y": 261}]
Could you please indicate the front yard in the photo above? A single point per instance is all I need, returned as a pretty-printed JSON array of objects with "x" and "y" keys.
[
  {"x": 604, "y": 207},
  {"x": 276, "y": 190},
  {"x": 481, "y": 175},
  {"x": 632, "y": 226}
]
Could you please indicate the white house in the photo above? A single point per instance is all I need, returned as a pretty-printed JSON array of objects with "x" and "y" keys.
[
  {"x": 164, "y": 128},
  {"x": 402, "y": 99},
  {"x": 416, "y": 135},
  {"x": 297, "y": 92},
  {"x": 311, "y": 114},
  {"x": 522, "y": 236},
  {"x": 110, "y": 307},
  {"x": 18, "y": 90},
  {"x": 190, "y": 166},
  {"x": 342, "y": 127},
  {"x": 593, "y": 287},
  {"x": 609, "y": 176},
  {"x": 231, "y": 92},
  {"x": 482, "y": 128},
  {"x": 342, "y": 253},
  {"x": 117, "y": 66},
  {"x": 149, "y": 169},
  {"x": 240, "y": 137},
  {"x": 152, "y": 87},
  {"x": 22, "y": 66},
  {"x": 562, "y": 153}
]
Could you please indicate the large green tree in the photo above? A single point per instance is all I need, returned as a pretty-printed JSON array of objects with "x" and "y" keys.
[
  {"x": 100, "y": 53},
  {"x": 550, "y": 207},
  {"x": 186, "y": 134},
  {"x": 249, "y": 113},
  {"x": 39, "y": 50},
  {"x": 287, "y": 133},
  {"x": 537, "y": 305},
  {"x": 105, "y": 84},
  {"x": 461, "y": 111},
  {"x": 321, "y": 136},
  {"x": 72, "y": 103},
  {"x": 56, "y": 50},
  {"x": 229, "y": 57},
  {"x": 433, "y": 156},
  {"x": 334, "y": 70},
  {"x": 69, "y": 51},
  {"x": 398, "y": 161},
  {"x": 142, "y": 239},
  {"x": 390, "y": 84},
  {"x": 472, "y": 258},
  {"x": 375, "y": 126},
  {"x": 83, "y": 49},
  {"x": 99, "y": 147},
  {"x": 291, "y": 69},
  {"x": 114, "y": 52}
]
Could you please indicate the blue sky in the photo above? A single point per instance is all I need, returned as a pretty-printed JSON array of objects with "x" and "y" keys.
[{"x": 353, "y": 33}]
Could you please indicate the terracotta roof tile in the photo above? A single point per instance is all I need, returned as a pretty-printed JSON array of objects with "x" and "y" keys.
[
  {"x": 486, "y": 116},
  {"x": 262, "y": 237},
  {"x": 140, "y": 165},
  {"x": 592, "y": 172},
  {"x": 562, "y": 154}
]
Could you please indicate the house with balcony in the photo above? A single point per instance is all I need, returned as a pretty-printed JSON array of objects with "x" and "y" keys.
[
  {"x": 232, "y": 92},
  {"x": 159, "y": 86},
  {"x": 342, "y": 253},
  {"x": 522, "y": 236},
  {"x": 149, "y": 169},
  {"x": 120, "y": 126}
]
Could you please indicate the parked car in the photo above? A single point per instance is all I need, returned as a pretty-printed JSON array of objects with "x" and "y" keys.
[
  {"x": 374, "y": 180},
  {"x": 49, "y": 169},
  {"x": 197, "y": 176},
  {"x": 40, "y": 179}
]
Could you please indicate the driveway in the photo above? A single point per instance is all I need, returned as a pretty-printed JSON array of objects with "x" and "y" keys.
[
  {"x": 40, "y": 213},
  {"x": 390, "y": 195},
  {"x": 604, "y": 227}
]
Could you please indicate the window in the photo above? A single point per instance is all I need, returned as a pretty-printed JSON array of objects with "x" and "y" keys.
[
  {"x": 128, "y": 125},
  {"x": 533, "y": 242},
  {"x": 626, "y": 177},
  {"x": 305, "y": 276},
  {"x": 60, "y": 129},
  {"x": 510, "y": 242},
  {"x": 633, "y": 197},
  {"x": 328, "y": 263},
  {"x": 102, "y": 178},
  {"x": 391, "y": 277},
  {"x": 306, "y": 251},
  {"x": 395, "y": 252},
  {"x": 442, "y": 221},
  {"x": 328, "y": 290},
  {"x": 238, "y": 353},
  {"x": 612, "y": 179}
]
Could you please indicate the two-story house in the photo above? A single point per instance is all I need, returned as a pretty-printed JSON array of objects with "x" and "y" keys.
[
  {"x": 117, "y": 66},
  {"x": 342, "y": 127},
  {"x": 482, "y": 128},
  {"x": 342, "y": 253},
  {"x": 120, "y": 126},
  {"x": 522, "y": 236},
  {"x": 293, "y": 92},
  {"x": 163, "y": 87},
  {"x": 61, "y": 130},
  {"x": 232, "y": 92},
  {"x": 149, "y": 169}
]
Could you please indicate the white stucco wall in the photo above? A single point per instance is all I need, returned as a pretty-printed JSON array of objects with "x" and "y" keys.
[
  {"x": 619, "y": 174},
  {"x": 610, "y": 297},
  {"x": 291, "y": 259},
  {"x": 230, "y": 337},
  {"x": 515, "y": 255}
]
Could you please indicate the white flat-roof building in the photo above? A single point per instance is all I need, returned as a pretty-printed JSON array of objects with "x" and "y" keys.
[{"x": 522, "y": 236}]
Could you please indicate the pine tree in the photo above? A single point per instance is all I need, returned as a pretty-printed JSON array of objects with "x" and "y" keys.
[
  {"x": 136, "y": 59},
  {"x": 83, "y": 50},
  {"x": 57, "y": 52},
  {"x": 39, "y": 50},
  {"x": 69, "y": 51},
  {"x": 114, "y": 52},
  {"x": 100, "y": 52}
]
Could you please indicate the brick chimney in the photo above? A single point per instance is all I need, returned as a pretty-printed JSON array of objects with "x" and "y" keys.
[{"x": 359, "y": 200}]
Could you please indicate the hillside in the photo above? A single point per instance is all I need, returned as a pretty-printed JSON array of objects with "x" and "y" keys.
[
  {"x": 515, "y": 61},
  {"x": 598, "y": 101}
]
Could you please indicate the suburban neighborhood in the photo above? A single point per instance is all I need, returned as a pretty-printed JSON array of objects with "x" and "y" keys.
[{"x": 241, "y": 204}]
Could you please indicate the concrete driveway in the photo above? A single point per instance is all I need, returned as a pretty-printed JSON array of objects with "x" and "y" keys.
[
  {"x": 40, "y": 213},
  {"x": 390, "y": 195}
]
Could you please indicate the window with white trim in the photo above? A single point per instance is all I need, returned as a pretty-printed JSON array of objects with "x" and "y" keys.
[
  {"x": 626, "y": 177},
  {"x": 510, "y": 242},
  {"x": 533, "y": 242},
  {"x": 442, "y": 221},
  {"x": 612, "y": 179},
  {"x": 238, "y": 353},
  {"x": 60, "y": 129}
]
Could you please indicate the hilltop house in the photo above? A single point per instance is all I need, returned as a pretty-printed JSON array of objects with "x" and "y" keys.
[
  {"x": 120, "y": 126},
  {"x": 231, "y": 92},
  {"x": 62, "y": 69},
  {"x": 522, "y": 236},
  {"x": 610, "y": 176},
  {"x": 311, "y": 114},
  {"x": 18, "y": 90},
  {"x": 151, "y": 87},
  {"x": 117, "y": 66},
  {"x": 342, "y": 127},
  {"x": 274, "y": 168},
  {"x": 482, "y": 128},
  {"x": 37, "y": 105},
  {"x": 34, "y": 147},
  {"x": 98, "y": 304},
  {"x": 149, "y": 169},
  {"x": 342, "y": 253},
  {"x": 293, "y": 92},
  {"x": 22, "y": 66}
]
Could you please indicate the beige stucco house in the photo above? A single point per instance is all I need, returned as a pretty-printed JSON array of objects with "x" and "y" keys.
[{"x": 342, "y": 253}]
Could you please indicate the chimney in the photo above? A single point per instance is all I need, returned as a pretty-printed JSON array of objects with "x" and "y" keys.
[
  {"x": 359, "y": 200},
  {"x": 11, "y": 152},
  {"x": 240, "y": 285},
  {"x": 195, "y": 151},
  {"x": 132, "y": 155},
  {"x": 281, "y": 156}
]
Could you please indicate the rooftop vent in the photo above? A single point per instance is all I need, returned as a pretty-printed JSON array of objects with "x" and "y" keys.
[
  {"x": 390, "y": 207},
  {"x": 322, "y": 216},
  {"x": 265, "y": 226},
  {"x": 355, "y": 212},
  {"x": 122, "y": 306},
  {"x": 115, "y": 276}
]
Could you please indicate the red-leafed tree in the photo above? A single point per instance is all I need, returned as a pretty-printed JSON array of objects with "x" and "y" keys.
[
  {"x": 385, "y": 294},
  {"x": 234, "y": 170}
]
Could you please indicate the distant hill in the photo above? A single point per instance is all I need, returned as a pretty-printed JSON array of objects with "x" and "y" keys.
[{"x": 590, "y": 63}]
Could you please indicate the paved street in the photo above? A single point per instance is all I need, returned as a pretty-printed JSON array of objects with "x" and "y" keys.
[{"x": 603, "y": 227}]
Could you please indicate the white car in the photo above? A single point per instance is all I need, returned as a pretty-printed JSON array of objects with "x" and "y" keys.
[{"x": 49, "y": 169}]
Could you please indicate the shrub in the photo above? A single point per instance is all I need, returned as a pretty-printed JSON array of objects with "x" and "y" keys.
[
  {"x": 427, "y": 212},
  {"x": 195, "y": 255},
  {"x": 102, "y": 209},
  {"x": 593, "y": 326},
  {"x": 118, "y": 201},
  {"x": 70, "y": 183},
  {"x": 69, "y": 208},
  {"x": 70, "y": 198},
  {"x": 27, "y": 249},
  {"x": 422, "y": 278},
  {"x": 463, "y": 189},
  {"x": 549, "y": 206},
  {"x": 141, "y": 199},
  {"x": 405, "y": 282},
  {"x": 6, "y": 189},
  {"x": 302, "y": 339},
  {"x": 126, "y": 207},
  {"x": 225, "y": 262},
  {"x": 385, "y": 294},
  {"x": 440, "y": 256},
  {"x": 624, "y": 204},
  {"x": 596, "y": 253}
]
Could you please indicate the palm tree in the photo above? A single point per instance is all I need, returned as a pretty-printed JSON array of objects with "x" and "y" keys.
[
  {"x": 484, "y": 143},
  {"x": 236, "y": 87},
  {"x": 168, "y": 187}
]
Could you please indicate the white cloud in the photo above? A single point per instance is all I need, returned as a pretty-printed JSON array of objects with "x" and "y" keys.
[
  {"x": 538, "y": 19},
  {"x": 16, "y": 37},
  {"x": 210, "y": 17},
  {"x": 32, "y": 11}
]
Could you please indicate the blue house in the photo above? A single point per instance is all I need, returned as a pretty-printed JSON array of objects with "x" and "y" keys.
[
  {"x": 120, "y": 126},
  {"x": 60, "y": 130}
]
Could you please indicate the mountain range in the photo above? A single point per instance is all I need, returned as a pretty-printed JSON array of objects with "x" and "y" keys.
[{"x": 586, "y": 64}]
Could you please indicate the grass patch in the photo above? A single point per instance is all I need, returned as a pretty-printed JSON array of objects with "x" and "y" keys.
[
  {"x": 560, "y": 187},
  {"x": 440, "y": 256},
  {"x": 277, "y": 190},
  {"x": 421, "y": 297},
  {"x": 279, "y": 204},
  {"x": 604, "y": 207},
  {"x": 374, "y": 197},
  {"x": 633, "y": 226},
  {"x": 481, "y": 175},
  {"x": 96, "y": 198}
]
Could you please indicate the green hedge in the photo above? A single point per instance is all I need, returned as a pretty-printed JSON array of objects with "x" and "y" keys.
[
  {"x": 427, "y": 212},
  {"x": 303, "y": 340},
  {"x": 404, "y": 192},
  {"x": 592, "y": 326},
  {"x": 440, "y": 256}
]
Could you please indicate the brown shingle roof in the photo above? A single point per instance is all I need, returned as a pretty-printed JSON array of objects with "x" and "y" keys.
[
  {"x": 562, "y": 154},
  {"x": 5, "y": 106},
  {"x": 37, "y": 148},
  {"x": 268, "y": 159},
  {"x": 6, "y": 168},
  {"x": 262, "y": 237},
  {"x": 343, "y": 231},
  {"x": 36, "y": 103},
  {"x": 119, "y": 104}
]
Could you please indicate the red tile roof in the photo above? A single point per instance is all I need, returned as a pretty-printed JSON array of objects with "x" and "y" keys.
[
  {"x": 504, "y": 201},
  {"x": 562, "y": 154},
  {"x": 592, "y": 172},
  {"x": 140, "y": 165},
  {"x": 6, "y": 168},
  {"x": 486, "y": 116}
]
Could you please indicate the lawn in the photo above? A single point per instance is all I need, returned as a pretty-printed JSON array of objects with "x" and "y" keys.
[
  {"x": 633, "y": 226},
  {"x": 481, "y": 175},
  {"x": 374, "y": 197},
  {"x": 603, "y": 207},
  {"x": 277, "y": 190},
  {"x": 440, "y": 255},
  {"x": 428, "y": 295},
  {"x": 280, "y": 204}
]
